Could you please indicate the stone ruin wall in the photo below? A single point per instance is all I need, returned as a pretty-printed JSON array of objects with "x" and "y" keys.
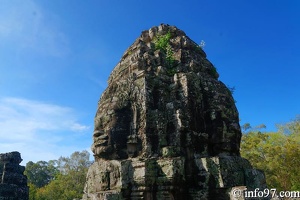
[{"x": 13, "y": 183}]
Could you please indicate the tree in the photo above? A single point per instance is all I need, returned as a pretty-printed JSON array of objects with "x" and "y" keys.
[
  {"x": 33, "y": 190},
  {"x": 69, "y": 180},
  {"x": 51, "y": 191},
  {"x": 40, "y": 173},
  {"x": 277, "y": 153},
  {"x": 246, "y": 127},
  {"x": 77, "y": 161}
]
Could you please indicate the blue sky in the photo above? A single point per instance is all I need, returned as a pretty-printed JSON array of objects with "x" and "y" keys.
[{"x": 56, "y": 56}]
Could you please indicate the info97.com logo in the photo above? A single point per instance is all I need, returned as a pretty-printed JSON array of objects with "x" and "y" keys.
[{"x": 242, "y": 193}]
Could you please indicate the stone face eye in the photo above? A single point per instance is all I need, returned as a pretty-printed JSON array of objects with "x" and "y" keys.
[{"x": 98, "y": 133}]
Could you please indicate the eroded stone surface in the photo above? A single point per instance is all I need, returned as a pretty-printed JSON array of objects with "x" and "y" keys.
[
  {"x": 166, "y": 127},
  {"x": 13, "y": 184}
]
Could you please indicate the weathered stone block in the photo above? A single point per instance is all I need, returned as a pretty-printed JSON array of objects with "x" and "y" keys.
[{"x": 255, "y": 179}]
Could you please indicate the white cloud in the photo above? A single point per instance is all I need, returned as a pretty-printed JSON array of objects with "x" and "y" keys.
[
  {"x": 26, "y": 25},
  {"x": 40, "y": 131}
]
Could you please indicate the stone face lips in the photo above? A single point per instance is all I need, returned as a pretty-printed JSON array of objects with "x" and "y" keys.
[
  {"x": 166, "y": 127},
  {"x": 13, "y": 184}
]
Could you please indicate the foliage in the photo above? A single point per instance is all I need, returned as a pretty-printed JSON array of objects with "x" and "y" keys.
[
  {"x": 32, "y": 191},
  {"x": 277, "y": 153},
  {"x": 69, "y": 180},
  {"x": 41, "y": 173},
  {"x": 162, "y": 42},
  {"x": 68, "y": 186},
  {"x": 171, "y": 71},
  {"x": 202, "y": 44},
  {"x": 76, "y": 162},
  {"x": 170, "y": 56},
  {"x": 231, "y": 89},
  {"x": 246, "y": 127}
]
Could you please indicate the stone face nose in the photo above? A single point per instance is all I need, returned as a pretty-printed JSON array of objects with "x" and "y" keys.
[
  {"x": 166, "y": 127},
  {"x": 13, "y": 184}
]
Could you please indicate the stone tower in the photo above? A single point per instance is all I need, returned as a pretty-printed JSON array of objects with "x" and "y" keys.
[
  {"x": 166, "y": 127},
  {"x": 13, "y": 183}
]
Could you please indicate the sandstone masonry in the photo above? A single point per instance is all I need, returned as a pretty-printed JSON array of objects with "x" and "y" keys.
[{"x": 166, "y": 127}]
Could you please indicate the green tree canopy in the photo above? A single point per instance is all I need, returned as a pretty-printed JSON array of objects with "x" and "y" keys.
[
  {"x": 76, "y": 162},
  {"x": 40, "y": 173},
  {"x": 69, "y": 179},
  {"x": 276, "y": 153}
]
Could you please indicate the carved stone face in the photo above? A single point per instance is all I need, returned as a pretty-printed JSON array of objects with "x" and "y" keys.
[
  {"x": 100, "y": 145},
  {"x": 166, "y": 108},
  {"x": 173, "y": 108},
  {"x": 112, "y": 143}
]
